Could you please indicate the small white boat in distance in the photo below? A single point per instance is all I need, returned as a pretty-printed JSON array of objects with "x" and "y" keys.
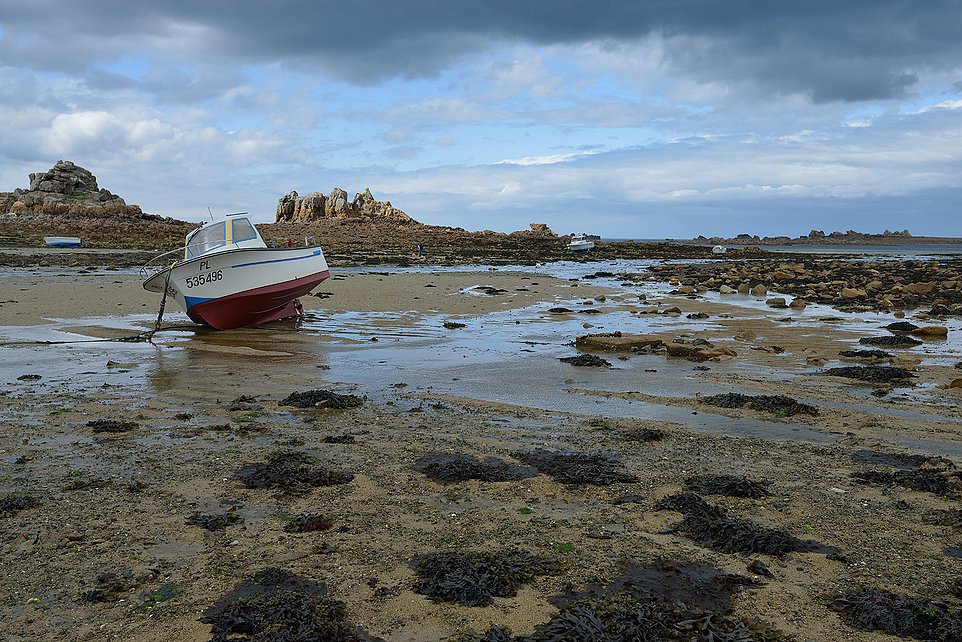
[
  {"x": 228, "y": 278},
  {"x": 579, "y": 244},
  {"x": 719, "y": 249},
  {"x": 61, "y": 241}
]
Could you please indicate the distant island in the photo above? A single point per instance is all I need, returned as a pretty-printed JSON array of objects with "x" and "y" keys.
[{"x": 817, "y": 237}]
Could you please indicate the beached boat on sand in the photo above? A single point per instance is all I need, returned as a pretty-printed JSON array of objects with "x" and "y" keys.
[
  {"x": 227, "y": 277},
  {"x": 61, "y": 241},
  {"x": 719, "y": 249},
  {"x": 580, "y": 243}
]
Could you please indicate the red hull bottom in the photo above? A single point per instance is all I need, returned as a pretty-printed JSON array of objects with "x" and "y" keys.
[{"x": 253, "y": 307}]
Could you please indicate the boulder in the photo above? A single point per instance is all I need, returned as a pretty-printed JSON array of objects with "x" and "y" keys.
[
  {"x": 932, "y": 331},
  {"x": 852, "y": 293},
  {"x": 759, "y": 290},
  {"x": 776, "y": 302},
  {"x": 956, "y": 383},
  {"x": 726, "y": 290},
  {"x": 744, "y": 288},
  {"x": 617, "y": 341},
  {"x": 798, "y": 304}
]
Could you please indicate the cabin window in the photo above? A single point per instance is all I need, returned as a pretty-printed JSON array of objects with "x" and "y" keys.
[
  {"x": 242, "y": 230},
  {"x": 204, "y": 240}
]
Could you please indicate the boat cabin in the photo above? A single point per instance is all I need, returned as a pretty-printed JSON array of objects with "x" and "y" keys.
[{"x": 235, "y": 231}]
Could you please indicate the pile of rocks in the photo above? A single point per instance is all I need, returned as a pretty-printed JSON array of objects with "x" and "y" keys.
[
  {"x": 303, "y": 209},
  {"x": 66, "y": 189},
  {"x": 845, "y": 284}
]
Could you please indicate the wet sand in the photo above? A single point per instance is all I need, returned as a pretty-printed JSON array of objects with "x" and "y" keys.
[{"x": 206, "y": 403}]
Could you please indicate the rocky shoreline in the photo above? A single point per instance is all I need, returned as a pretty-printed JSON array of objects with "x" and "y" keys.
[{"x": 852, "y": 285}]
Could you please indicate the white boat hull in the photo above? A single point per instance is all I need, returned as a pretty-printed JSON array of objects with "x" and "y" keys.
[{"x": 243, "y": 287}]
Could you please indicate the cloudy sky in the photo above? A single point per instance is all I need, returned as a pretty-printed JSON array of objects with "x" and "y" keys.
[{"x": 665, "y": 118}]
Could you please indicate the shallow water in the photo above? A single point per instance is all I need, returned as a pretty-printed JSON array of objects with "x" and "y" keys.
[{"x": 508, "y": 356}]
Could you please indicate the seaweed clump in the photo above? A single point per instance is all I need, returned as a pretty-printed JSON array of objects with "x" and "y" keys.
[
  {"x": 290, "y": 471},
  {"x": 472, "y": 579},
  {"x": 448, "y": 468},
  {"x": 111, "y": 425},
  {"x": 279, "y": 606},
  {"x": 901, "y": 615},
  {"x": 309, "y": 524},
  {"x": 646, "y": 435},
  {"x": 109, "y": 588},
  {"x": 730, "y": 485},
  {"x": 717, "y": 529},
  {"x": 943, "y": 480},
  {"x": 865, "y": 354},
  {"x": 213, "y": 521},
  {"x": 896, "y": 341},
  {"x": 10, "y": 505},
  {"x": 577, "y": 468},
  {"x": 872, "y": 374},
  {"x": 776, "y": 404},
  {"x": 672, "y": 603},
  {"x": 321, "y": 399},
  {"x": 588, "y": 360}
]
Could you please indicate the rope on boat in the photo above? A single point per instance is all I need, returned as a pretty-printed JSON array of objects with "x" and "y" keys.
[{"x": 163, "y": 303}]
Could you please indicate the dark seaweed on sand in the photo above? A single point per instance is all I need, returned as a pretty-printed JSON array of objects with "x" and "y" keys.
[
  {"x": 775, "y": 404},
  {"x": 213, "y": 521},
  {"x": 588, "y": 360},
  {"x": 901, "y": 326},
  {"x": 719, "y": 530},
  {"x": 952, "y": 518},
  {"x": 865, "y": 354},
  {"x": 321, "y": 399},
  {"x": 291, "y": 471},
  {"x": 473, "y": 578},
  {"x": 897, "y": 341},
  {"x": 872, "y": 374},
  {"x": 671, "y": 603},
  {"x": 730, "y": 485},
  {"x": 893, "y": 460},
  {"x": 278, "y": 606},
  {"x": 643, "y": 434},
  {"x": 576, "y": 468},
  {"x": 109, "y": 588},
  {"x": 448, "y": 468},
  {"x": 901, "y": 615},
  {"x": 10, "y": 505},
  {"x": 111, "y": 425},
  {"x": 309, "y": 524},
  {"x": 939, "y": 481}
]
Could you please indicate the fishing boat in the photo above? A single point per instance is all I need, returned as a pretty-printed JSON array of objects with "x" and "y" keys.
[
  {"x": 580, "y": 243},
  {"x": 61, "y": 241},
  {"x": 718, "y": 250},
  {"x": 227, "y": 277}
]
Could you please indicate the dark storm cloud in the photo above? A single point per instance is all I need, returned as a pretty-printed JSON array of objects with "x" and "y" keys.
[{"x": 829, "y": 50}]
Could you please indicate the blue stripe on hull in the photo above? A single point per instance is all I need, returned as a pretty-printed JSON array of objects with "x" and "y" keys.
[{"x": 293, "y": 258}]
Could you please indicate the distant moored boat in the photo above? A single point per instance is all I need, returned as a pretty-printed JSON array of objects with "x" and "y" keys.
[
  {"x": 718, "y": 249},
  {"x": 580, "y": 243},
  {"x": 61, "y": 241}
]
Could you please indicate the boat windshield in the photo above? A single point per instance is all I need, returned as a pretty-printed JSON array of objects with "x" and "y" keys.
[
  {"x": 242, "y": 230},
  {"x": 204, "y": 240}
]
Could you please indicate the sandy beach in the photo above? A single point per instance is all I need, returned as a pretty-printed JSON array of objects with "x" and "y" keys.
[{"x": 131, "y": 509}]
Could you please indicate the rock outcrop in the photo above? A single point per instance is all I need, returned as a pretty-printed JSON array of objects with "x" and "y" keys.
[
  {"x": 315, "y": 206},
  {"x": 66, "y": 189}
]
